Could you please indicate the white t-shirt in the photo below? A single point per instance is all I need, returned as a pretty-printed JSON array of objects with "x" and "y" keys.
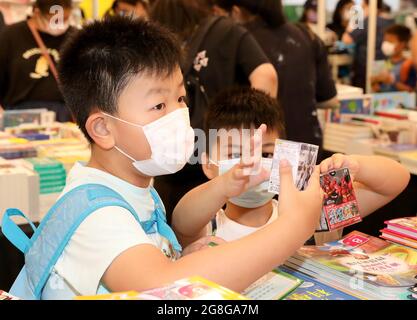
[
  {"x": 106, "y": 233},
  {"x": 230, "y": 230}
]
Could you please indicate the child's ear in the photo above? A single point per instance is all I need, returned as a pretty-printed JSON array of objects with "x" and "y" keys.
[
  {"x": 209, "y": 169},
  {"x": 97, "y": 126}
]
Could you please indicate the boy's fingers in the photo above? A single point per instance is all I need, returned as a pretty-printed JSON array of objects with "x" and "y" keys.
[
  {"x": 314, "y": 182},
  {"x": 286, "y": 178},
  {"x": 338, "y": 160}
]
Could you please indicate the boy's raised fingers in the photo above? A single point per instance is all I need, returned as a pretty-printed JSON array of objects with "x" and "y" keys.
[
  {"x": 286, "y": 178},
  {"x": 314, "y": 182}
]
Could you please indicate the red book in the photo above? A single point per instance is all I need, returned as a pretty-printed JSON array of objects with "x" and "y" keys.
[{"x": 404, "y": 226}]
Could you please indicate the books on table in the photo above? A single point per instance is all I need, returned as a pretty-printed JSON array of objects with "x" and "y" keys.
[
  {"x": 402, "y": 231},
  {"x": 275, "y": 285},
  {"x": 193, "y": 288},
  {"x": 312, "y": 289},
  {"x": 360, "y": 264}
]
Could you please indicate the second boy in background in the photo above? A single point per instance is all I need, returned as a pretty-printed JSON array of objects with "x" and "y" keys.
[
  {"x": 398, "y": 72},
  {"x": 194, "y": 216}
]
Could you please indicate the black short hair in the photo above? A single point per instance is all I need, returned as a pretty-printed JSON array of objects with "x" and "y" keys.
[
  {"x": 271, "y": 11},
  {"x": 180, "y": 16},
  {"x": 98, "y": 62},
  {"x": 244, "y": 107},
  {"x": 401, "y": 32},
  {"x": 45, "y": 5}
]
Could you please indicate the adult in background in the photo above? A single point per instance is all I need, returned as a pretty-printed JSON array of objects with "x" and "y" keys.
[
  {"x": 341, "y": 17},
  {"x": 28, "y": 77},
  {"x": 219, "y": 54},
  {"x": 300, "y": 59},
  {"x": 359, "y": 37}
]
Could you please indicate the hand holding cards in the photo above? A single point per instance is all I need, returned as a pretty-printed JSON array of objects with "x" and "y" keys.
[{"x": 340, "y": 208}]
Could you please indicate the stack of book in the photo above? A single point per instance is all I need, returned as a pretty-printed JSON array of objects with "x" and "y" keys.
[
  {"x": 312, "y": 289},
  {"x": 52, "y": 174},
  {"x": 16, "y": 148},
  {"x": 360, "y": 265},
  {"x": 19, "y": 189},
  {"x": 338, "y": 135},
  {"x": 402, "y": 231}
]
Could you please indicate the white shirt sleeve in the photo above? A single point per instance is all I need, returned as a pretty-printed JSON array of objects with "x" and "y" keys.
[{"x": 100, "y": 238}]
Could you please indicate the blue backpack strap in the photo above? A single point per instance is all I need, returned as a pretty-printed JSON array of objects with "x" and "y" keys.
[
  {"x": 159, "y": 219},
  {"x": 12, "y": 231},
  {"x": 59, "y": 225}
]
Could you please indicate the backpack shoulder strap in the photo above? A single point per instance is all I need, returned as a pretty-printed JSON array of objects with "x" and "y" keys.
[
  {"x": 13, "y": 233},
  {"x": 196, "y": 41},
  {"x": 59, "y": 225}
]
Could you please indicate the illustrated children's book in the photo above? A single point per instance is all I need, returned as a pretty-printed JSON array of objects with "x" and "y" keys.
[
  {"x": 372, "y": 265},
  {"x": 193, "y": 288}
]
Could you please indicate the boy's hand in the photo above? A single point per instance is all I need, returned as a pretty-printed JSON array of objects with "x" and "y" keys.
[
  {"x": 339, "y": 161},
  {"x": 239, "y": 179},
  {"x": 302, "y": 206},
  {"x": 249, "y": 172}
]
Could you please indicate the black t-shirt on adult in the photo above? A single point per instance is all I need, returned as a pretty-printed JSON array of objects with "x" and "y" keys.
[
  {"x": 300, "y": 59},
  {"x": 226, "y": 57},
  {"x": 24, "y": 73}
]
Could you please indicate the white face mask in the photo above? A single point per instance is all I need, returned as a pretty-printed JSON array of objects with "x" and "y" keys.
[
  {"x": 171, "y": 139},
  {"x": 54, "y": 30},
  {"x": 388, "y": 48},
  {"x": 256, "y": 196}
]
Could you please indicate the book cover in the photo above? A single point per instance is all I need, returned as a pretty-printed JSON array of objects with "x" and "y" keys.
[
  {"x": 375, "y": 261},
  {"x": 312, "y": 289},
  {"x": 275, "y": 285},
  {"x": 193, "y": 288}
]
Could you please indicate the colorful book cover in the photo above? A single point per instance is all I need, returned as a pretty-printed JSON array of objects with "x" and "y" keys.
[
  {"x": 311, "y": 289},
  {"x": 375, "y": 261},
  {"x": 340, "y": 208},
  {"x": 275, "y": 285},
  {"x": 193, "y": 288}
]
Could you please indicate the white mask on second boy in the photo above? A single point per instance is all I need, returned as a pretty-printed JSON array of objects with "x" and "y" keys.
[
  {"x": 171, "y": 139},
  {"x": 388, "y": 48},
  {"x": 256, "y": 196}
]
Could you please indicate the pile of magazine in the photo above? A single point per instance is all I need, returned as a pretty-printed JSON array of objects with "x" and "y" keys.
[{"x": 360, "y": 265}]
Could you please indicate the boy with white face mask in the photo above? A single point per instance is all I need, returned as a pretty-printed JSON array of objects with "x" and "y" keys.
[
  {"x": 250, "y": 210},
  {"x": 255, "y": 208},
  {"x": 122, "y": 81},
  {"x": 399, "y": 73}
]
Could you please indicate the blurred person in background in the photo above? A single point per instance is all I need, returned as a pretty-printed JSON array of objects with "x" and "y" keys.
[
  {"x": 28, "y": 59},
  {"x": 359, "y": 37},
  {"x": 300, "y": 58},
  {"x": 132, "y": 8},
  {"x": 341, "y": 17}
]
